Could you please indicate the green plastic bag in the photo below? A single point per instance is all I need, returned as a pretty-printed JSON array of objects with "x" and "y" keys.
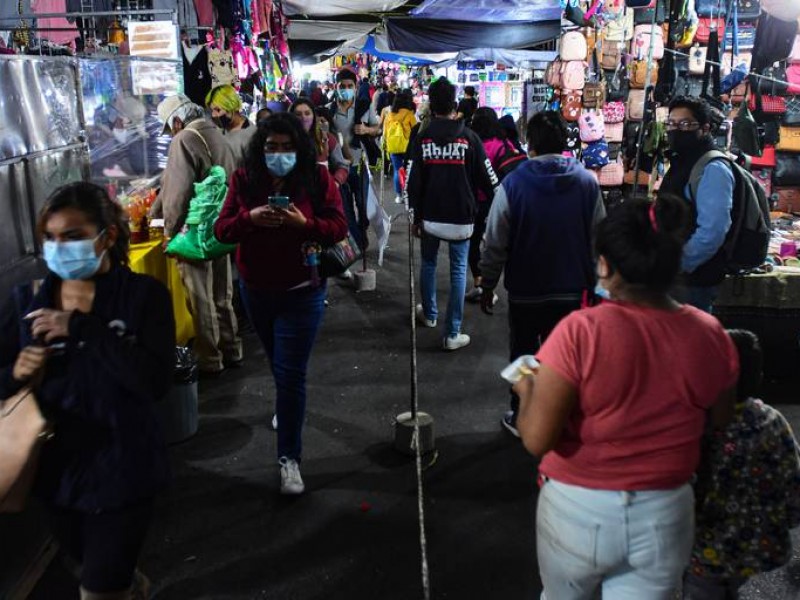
[{"x": 197, "y": 240}]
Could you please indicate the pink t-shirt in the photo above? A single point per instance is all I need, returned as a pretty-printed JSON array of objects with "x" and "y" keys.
[{"x": 645, "y": 378}]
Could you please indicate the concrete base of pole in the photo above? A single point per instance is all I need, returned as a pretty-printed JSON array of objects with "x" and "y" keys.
[
  {"x": 404, "y": 434},
  {"x": 366, "y": 281}
]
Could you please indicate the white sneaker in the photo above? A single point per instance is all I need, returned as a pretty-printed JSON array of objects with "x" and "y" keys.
[
  {"x": 275, "y": 422},
  {"x": 346, "y": 276},
  {"x": 291, "y": 482},
  {"x": 398, "y": 199},
  {"x": 423, "y": 319},
  {"x": 474, "y": 295},
  {"x": 457, "y": 341}
]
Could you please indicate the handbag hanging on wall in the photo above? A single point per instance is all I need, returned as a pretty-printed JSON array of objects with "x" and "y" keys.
[
  {"x": 745, "y": 132},
  {"x": 787, "y": 170}
]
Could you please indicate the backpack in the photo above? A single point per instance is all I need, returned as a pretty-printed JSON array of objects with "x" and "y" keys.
[
  {"x": 508, "y": 160},
  {"x": 396, "y": 137},
  {"x": 573, "y": 75},
  {"x": 747, "y": 241}
]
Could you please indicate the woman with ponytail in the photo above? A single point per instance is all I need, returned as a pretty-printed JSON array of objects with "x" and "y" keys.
[{"x": 616, "y": 411}]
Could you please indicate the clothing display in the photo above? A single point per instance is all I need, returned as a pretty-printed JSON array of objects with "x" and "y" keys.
[{"x": 196, "y": 76}]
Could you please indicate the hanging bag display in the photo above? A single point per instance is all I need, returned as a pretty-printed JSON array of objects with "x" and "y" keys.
[
  {"x": 706, "y": 26},
  {"x": 614, "y": 112},
  {"x": 612, "y": 55},
  {"x": 573, "y": 46},
  {"x": 789, "y": 139},
  {"x": 767, "y": 158},
  {"x": 591, "y": 125},
  {"x": 636, "y": 105},
  {"x": 711, "y": 8},
  {"x": 638, "y": 76},
  {"x": 615, "y": 132},
  {"x": 552, "y": 74},
  {"x": 774, "y": 81},
  {"x": 745, "y": 132},
  {"x": 571, "y": 103},
  {"x": 643, "y": 37},
  {"x": 748, "y": 9},
  {"x": 612, "y": 175},
  {"x": 787, "y": 170},
  {"x": 774, "y": 41},
  {"x": 794, "y": 55},
  {"x": 594, "y": 92},
  {"x": 792, "y": 114},
  {"x": 792, "y": 73},
  {"x": 697, "y": 60},
  {"x": 621, "y": 28},
  {"x": 711, "y": 75},
  {"x": 573, "y": 74},
  {"x": 595, "y": 155}
]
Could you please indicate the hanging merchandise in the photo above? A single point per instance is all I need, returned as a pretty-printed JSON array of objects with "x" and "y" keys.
[
  {"x": 573, "y": 46},
  {"x": 639, "y": 72},
  {"x": 614, "y": 112},
  {"x": 793, "y": 77},
  {"x": 612, "y": 175},
  {"x": 711, "y": 8},
  {"x": 697, "y": 60},
  {"x": 611, "y": 56},
  {"x": 640, "y": 3},
  {"x": 595, "y": 155},
  {"x": 748, "y": 9},
  {"x": 571, "y": 103},
  {"x": 594, "y": 92},
  {"x": 746, "y": 33},
  {"x": 787, "y": 170},
  {"x": 774, "y": 41},
  {"x": 683, "y": 27},
  {"x": 636, "y": 102},
  {"x": 592, "y": 127},
  {"x": 765, "y": 106},
  {"x": 573, "y": 138},
  {"x": 222, "y": 68},
  {"x": 774, "y": 82},
  {"x": 573, "y": 75},
  {"x": 742, "y": 62},
  {"x": 706, "y": 26},
  {"x": 712, "y": 75},
  {"x": 642, "y": 41},
  {"x": 786, "y": 10},
  {"x": 617, "y": 85},
  {"x": 789, "y": 139},
  {"x": 652, "y": 14},
  {"x": 745, "y": 132},
  {"x": 734, "y": 78},
  {"x": 615, "y": 132},
  {"x": 196, "y": 76},
  {"x": 764, "y": 177},
  {"x": 620, "y": 29},
  {"x": 794, "y": 56}
]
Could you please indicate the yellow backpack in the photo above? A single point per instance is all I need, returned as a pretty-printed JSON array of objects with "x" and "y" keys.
[{"x": 396, "y": 134}]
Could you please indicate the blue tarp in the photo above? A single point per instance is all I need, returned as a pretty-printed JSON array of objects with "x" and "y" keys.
[
  {"x": 492, "y": 11},
  {"x": 404, "y": 59}
]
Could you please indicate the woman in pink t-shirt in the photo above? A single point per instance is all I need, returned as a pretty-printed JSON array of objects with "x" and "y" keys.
[{"x": 616, "y": 412}]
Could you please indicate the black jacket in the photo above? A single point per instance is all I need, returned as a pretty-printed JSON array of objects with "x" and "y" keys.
[
  {"x": 447, "y": 166},
  {"x": 108, "y": 451}
]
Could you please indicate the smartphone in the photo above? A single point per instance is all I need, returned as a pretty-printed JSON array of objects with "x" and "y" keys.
[
  {"x": 279, "y": 201},
  {"x": 524, "y": 365}
]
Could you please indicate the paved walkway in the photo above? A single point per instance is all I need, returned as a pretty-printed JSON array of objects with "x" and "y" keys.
[{"x": 223, "y": 532}]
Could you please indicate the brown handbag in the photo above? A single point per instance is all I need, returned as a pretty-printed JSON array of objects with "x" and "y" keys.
[
  {"x": 23, "y": 430},
  {"x": 594, "y": 92},
  {"x": 638, "y": 76},
  {"x": 571, "y": 104},
  {"x": 612, "y": 55},
  {"x": 788, "y": 199}
]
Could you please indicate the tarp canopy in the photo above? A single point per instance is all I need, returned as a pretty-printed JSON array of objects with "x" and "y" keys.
[
  {"x": 332, "y": 8},
  {"x": 309, "y": 51},
  {"x": 436, "y": 35},
  {"x": 371, "y": 47},
  {"x": 340, "y": 31},
  {"x": 494, "y": 11},
  {"x": 522, "y": 59}
]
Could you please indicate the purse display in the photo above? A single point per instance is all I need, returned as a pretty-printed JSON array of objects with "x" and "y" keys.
[
  {"x": 787, "y": 170},
  {"x": 611, "y": 175},
  {"x": 339, "y": 257},
  {"x": 789, "y": 139}
]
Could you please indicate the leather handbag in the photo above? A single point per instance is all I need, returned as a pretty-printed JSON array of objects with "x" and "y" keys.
[
  {"x": 774, "y": 81},
  {"x": 787, "y": 170},
  {"x": 788, "y": 199},
  {"x": 23, "y": 430},
  {"x": 745, "y": 133},
  {"x": 615, "y": 132},
  {"x": 337, "y": 258},
  {"x": 789, "y": 140},
  {"x": 638, "y": 74},
  {"x": 706, "y": 26},
  {"x": 792, "y": 114},
  {"x": 594, "y": 91},
  {"x": 636, "y": 105},
  {"x": 611, "y": 175},
  {"x": 767, "y": 105},
  {"x": 774, "y": 41},
  {"x": 612, "y": 56}
]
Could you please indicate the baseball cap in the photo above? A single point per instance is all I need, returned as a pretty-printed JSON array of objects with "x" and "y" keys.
[{"x": 168, "y": 106}]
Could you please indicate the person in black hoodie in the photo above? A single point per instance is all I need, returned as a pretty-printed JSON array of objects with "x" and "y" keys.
[
  {"x": 97, "y": 342},
  {"x": 447, "y": 166}
]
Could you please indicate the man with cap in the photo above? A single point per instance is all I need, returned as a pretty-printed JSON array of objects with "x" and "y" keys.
[
  {"x": 197, "y": 145},
  {"x": 226, "y": 111}
]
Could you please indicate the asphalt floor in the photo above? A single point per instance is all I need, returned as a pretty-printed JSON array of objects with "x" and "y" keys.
[{"x": 222, "y": 531}]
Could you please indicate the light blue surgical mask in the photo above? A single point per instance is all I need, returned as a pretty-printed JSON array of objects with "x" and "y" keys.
[
  {"x": 73, "y": 260},
  {"x": 280, "y": 164},
  {"x": 346, "y": 95}
]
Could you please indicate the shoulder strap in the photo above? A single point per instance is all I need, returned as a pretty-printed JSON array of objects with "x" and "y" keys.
[
  {"x": 697, "y": 171},
  {"x": 202, "y": 139}
]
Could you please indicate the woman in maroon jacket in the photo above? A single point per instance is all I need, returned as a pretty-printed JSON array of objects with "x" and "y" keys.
[{"x": 282, "y": 293}]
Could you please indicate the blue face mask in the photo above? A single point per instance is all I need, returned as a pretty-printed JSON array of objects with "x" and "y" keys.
[
  {"x": 73, "y": 260},
  {"x": 346, "y": 95},
  {"x": 280, "y": 164}
]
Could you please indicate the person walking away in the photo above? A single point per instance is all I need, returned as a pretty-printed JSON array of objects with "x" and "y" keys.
[
  {"x": 616, "y": 411},
  {"x": 278, "y": 248},
  {"x": 689, "y": 132},
  {"x": 358, "y": 124},
  {"x": 748, "y": 490},
  {"x": 467, "y": 106},
  {"x": 97, "y": 343},
  {"x": 226, "y": 111},
  {"x": 447, "y": 168},
  {"x": 196, "y": 146},
  {"x": 540, "y": 233},
  {"x": 502, "y": 155},
  {"x": 329, "y": 152},
  {"x": 396, "y": 133}
]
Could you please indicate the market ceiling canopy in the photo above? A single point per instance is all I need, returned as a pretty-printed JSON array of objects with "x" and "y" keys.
[
  {"x": 371, "y": 47},
  {"x": 328, "y": 30},
  {"x": 332, "y": 8},
  {"x": 493, "y": 11},
  {"x": 438, "y": 35}
]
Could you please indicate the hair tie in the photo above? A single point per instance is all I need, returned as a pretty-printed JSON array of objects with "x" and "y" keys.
[{"x": 653, "y": 221}]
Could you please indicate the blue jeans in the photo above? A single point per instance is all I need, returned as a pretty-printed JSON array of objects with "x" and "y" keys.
[
  {"x": 354, "y": 204},
  {"x": 459, "y": 251},
  {"x": 397, "y": 163},
  {"x": 287, "y": 324},
  {"x": 633, "y": 545},
  {"x": 701, "y": 297}
]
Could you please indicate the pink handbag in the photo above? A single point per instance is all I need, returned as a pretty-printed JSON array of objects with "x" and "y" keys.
[
  {"x": 641, "y": 42},
  {"x": 793, "y": 77},
  {"x": 614, "y": 112},
  {"x": 591, "y": 125},
  {"x": 573, "y": 75},
  {"x": 552, "y": 74},
  {"x": 612, "y": 175},
  {"x": 615, "y": 132},
  {"x": 636, "y": 100}
]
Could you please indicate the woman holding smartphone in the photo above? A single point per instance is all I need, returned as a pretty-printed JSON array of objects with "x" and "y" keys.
[
  {"x": 282, "y": 209},
  {"x": 329, "y": 152}
]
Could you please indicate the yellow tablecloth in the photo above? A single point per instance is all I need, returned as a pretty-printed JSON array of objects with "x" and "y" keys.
[
  {"x": 775, "y": 290},
  {"x": 149, "y": 259}
]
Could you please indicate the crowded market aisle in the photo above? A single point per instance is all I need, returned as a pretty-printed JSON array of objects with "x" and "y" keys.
[{"x": 223, "y": 531}]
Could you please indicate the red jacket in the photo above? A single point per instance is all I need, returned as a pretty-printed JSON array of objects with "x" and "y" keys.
[{"x": 272, "y": 259}]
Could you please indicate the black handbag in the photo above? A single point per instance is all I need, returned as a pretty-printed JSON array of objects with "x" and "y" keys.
[
  {"x": 748, "y": 9},
  {"x": 339, "y": 257},
  {"x": 787, "y": 170},
  {"x": 778, "y": 86},
  {"x": 774, "y": 41},
  {"x": 746, "y": 135},
  {"x": 792, "y": 114}
]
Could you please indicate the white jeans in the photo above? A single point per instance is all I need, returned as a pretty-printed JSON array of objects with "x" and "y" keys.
[{"x": 635, "y": 545}]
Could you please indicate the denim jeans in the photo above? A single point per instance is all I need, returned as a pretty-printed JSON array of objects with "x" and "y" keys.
[
  {"x": 287, "y": 325},
  {"x": 397, "y": 163},
  {"x": 458, "y": 281},
  {"x": 697, "y": 296},
  {"x": 354, "y": 203},
  {"x": 633, "y": 545}
]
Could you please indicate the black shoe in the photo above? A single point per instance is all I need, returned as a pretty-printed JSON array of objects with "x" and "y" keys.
[
  {"x": 210, "y": 375},
  {"x": 233, "y": 364}
]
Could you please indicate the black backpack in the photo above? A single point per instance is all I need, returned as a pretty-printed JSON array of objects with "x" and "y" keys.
[
  {"x": 747, "y": 241},
  {"x": 509, "y": 160}
]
